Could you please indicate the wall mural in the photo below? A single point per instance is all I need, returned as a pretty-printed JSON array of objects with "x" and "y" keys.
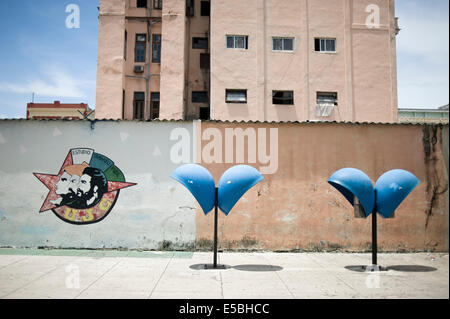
[{"x": 85, "y": 189}]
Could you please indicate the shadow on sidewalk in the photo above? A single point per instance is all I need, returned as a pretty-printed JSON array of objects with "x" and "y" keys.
[
  {"x": 250, "y": 267},
  {"x": 404, "y": 268},
  {"x": 411, "y": 268}
]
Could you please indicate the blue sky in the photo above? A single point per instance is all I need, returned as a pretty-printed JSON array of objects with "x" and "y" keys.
[{"x": 38, "y": 53}]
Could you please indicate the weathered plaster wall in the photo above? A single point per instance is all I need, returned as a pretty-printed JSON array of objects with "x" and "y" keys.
[
  {"x": 292, "y": 208},
  {"x": 296, "y": 208},
  {"x": 157, "y": 211}
]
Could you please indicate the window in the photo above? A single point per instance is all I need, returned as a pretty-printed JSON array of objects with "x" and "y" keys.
[
  {"x": 237, "y": 42},
  {"x": 138, "y": 105},
  {"x": 156, "y": 48},
  {"x": 283, "y": 44},
  {"x": 141, "y": 3},
  {"x": 139, "y": 51},
  {"x": 125, "y": 46},
  {"x": 200, "y": 43},
  {"x": 199, "y": 97},
  {"x": 123, "y": 104},
  {"x": 324, "y": 45},
  {"x": 205, "y": 8},
  {"x": 283, "y": 97},
  {"x": 204, "y": 113},
  {"x": 236, "y": 96},
  {"x": 157, "y": 4},
  {"x": 326, "y": 101},
  {"x": 327, "y": 98},
  {"x": 154, "y": 105},
  {"x": 190, "y": 9},
  {"x": 204, "y": 61}
]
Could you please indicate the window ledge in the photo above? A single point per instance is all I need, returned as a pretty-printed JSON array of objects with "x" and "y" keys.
[{"x": 326, "y": 52}]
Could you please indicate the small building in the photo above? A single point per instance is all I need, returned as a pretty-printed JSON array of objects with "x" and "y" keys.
[
  {"x": 58, "y": 110},
  {"x": 439, "y": 115}
]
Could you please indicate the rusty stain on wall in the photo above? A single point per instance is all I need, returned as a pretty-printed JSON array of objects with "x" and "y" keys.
[{"x": 436, "y": 184}]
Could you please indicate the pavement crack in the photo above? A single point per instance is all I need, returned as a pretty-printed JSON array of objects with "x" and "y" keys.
[
  {"x": 107, "y": 271},
  {"x": 14, "y": 262},
  {"x": 279, "y": 277},
  {"x": 29, "y": 283},
  {"x": 221, "y": 285},
  {"x": 335, "y": 275},
  {"x": 163, "y": 272}
]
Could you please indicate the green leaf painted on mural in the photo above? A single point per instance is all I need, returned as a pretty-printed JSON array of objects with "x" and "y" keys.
[{"x": 114, "y": 174}]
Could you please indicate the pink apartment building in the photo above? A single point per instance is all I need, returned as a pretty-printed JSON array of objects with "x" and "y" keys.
[{"x": 252, "y": 60}]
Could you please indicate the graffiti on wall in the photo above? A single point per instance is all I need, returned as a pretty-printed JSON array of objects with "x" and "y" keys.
[{"x": 85, "y": 189}]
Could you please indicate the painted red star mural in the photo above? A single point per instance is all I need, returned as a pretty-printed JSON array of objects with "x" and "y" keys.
[{"x": 85, "y": 189}]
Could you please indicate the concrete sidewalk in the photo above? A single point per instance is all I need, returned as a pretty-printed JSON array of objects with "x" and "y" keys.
[{"x": 37, "y": 273}]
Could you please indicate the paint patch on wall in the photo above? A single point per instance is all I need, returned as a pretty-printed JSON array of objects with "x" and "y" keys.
[
  {"x": 285, "y": 216},
  {"x": 36, "y": 230},
  {"x": 139, "y": 217},
  {"x": 85, "y": 189}
]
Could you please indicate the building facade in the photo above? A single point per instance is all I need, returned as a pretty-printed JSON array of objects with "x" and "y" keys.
[
  {"x": 256, "y": 60},
  {"x": 439, "y": 115}
]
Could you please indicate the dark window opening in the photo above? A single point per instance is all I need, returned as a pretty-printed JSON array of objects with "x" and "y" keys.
[
  {"x": 156, "y": 48},
  {"x": 205, "y": 9},
  {"x": 154, "y": 105},
  {"x": 141, "y": 3},
  {"x": 283, "y": 44},
  {"x": 140, "y": 49},
  {"x": 123, "y": 104},
  {"x": 200, "y": 43},
  {"x": 283, "y": 97},
  {"x": 237, "y": 42},
  {"x": 138, "y": 105},
  {"x": 125, "y": 46},
  {"x": 157, "y": 4},
  {"x": 327, "y": 98},
  {"x": 235, "y": 96},
  {"x": 190, "y": 9},
  {"x": 204, "y": 61},
  {"x": 199, "y": 97},
  {"x": 204, "y": 113},
  {"x": 324, "y": 45}
]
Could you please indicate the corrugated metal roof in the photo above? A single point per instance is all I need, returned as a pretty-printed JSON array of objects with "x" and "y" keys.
[{"x": 231, "y": 122}]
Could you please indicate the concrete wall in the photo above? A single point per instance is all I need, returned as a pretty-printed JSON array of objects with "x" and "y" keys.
[
  {"x": 295, "y": 208},
  {"x": 292, "y": 208},
  {"x": 146, "y": 215}
]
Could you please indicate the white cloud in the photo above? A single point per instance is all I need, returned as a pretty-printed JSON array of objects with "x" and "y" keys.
[
  {"x": 54, "y": 81},
  {"x": 423, "y": 53}
]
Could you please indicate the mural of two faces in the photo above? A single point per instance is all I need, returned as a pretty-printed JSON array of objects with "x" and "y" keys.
[{"x": 85, "y": 189}]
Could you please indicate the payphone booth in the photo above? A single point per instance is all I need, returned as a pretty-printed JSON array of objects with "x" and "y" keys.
[
  {"x": 234, "y": 183},
  {"x": 389, "y": 192}
]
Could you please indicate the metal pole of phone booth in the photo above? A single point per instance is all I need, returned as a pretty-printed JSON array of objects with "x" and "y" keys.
[
  {"x": 215, "y": 226},
  {"x": 374, "y": 233},
  {"x": 374, "y": 238}
]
